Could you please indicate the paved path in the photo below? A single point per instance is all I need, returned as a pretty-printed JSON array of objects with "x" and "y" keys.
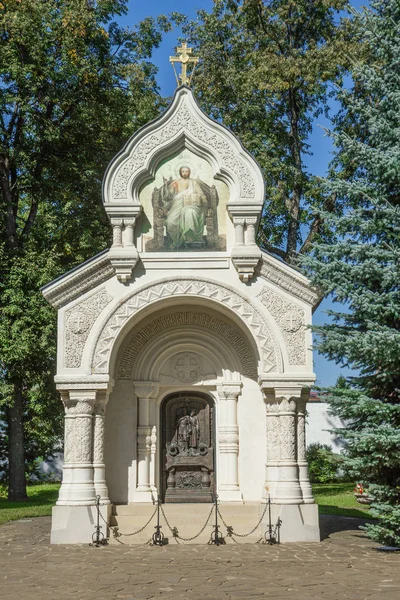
[{"x": 344, "y": 566}]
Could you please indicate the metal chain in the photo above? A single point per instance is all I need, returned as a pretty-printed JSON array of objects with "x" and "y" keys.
[
  {"x": 174, "y": 530},
  {"x": 117, "y": 533},
  {"x": 231, "y": 532}
]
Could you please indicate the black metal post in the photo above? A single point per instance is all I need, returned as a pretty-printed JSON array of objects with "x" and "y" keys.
[
  {"x": 98, "y": 538},
  {"x": 216, "y": 537},
  {"x": 158, "y": 536}
]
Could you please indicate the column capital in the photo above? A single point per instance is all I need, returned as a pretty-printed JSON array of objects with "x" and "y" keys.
[
  {"x": 146, "y": 389},
  {"x": 293, "y": 388},
  {"x": 229, "y": 390}
]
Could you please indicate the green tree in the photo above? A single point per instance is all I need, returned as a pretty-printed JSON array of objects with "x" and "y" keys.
[
  {"x": 73, "y": 86},
  {"x": 362, "y": 270},
  {"x": 267, "y": 72}
]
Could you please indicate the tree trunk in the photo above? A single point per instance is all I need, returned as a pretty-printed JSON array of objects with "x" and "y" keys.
[{"x": 16, "y": 452}]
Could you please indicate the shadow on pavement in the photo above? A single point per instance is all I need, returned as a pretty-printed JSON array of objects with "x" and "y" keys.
[{"x": 334, "y": 523}]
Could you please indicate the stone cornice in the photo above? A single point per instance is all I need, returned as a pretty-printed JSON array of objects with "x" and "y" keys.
[
  {"x": 78, "y": 281},
  {"x": 288, "y": 279}
]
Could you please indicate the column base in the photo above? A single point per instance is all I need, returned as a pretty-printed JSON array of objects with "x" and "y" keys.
[
  {"x": 300, "y": 522},
  {"x": 143, "y": 496},
  {"x": 230, "y": 496},
  {"x": 76, "y": 524}
]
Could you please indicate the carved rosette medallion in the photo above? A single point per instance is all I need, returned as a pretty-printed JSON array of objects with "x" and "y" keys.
[
  {"x": 78, "y": 323},
  {"x": 291, "y": 320},
  {"x": 186, "y": 367}
]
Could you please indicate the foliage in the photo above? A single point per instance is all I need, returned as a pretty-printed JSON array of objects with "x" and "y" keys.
[
  {"x": 267, "y": 71},
  {"x": 41, "y": 499},
  {"x": 323, "y": 463},
  {"x": 74, "y": 86},
  {"x": 362, "y": 271},
  {"x": 338, "y": 499}
]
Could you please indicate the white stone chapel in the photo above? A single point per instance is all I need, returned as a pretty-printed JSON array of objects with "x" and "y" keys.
[{"x": 184, "y": 358}]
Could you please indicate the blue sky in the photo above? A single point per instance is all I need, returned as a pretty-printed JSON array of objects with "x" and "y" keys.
[{"x": 321, "y": 147}]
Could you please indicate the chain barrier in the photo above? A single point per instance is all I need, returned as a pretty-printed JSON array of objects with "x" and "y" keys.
[
  {"x": 216, "y": 538},
  {"x": 174, "y": 530},
  {"x": 158, "y": 539},
  {"x": 98, "y": 537},
  {"x": 230, "y": 531},
  {"x": 117, "y": 534},
  {"x": 271, "y": 536}
]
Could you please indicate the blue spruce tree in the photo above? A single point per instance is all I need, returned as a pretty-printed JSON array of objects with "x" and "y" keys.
[{"x": 362, "y": 270}]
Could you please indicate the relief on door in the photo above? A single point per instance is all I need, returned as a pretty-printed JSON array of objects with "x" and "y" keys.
[{"x": 188, "y": 449}]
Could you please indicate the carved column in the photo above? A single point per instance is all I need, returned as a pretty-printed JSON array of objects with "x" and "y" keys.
[
  {"x": 117, "y": 232},
  {"x": 129, "y": 225},
  {"x": 251, "y": 231},
  {"x": 273, "y": 446},
  {"x": 282, "y": 471},
  {"x": 228, "y": 438},
  {"x": 239, "y": 231},
  {"x": 99, "y": 467},
  {"x": 78, "y": 480},
  {"x": 146, "y": 441},
  {"x": 301, "y": 452}
]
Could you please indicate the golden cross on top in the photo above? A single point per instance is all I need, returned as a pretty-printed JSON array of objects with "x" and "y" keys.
[{"x": 184, "y": 57}]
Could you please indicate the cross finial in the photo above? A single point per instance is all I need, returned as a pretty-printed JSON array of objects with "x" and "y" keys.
[{"x": 184, "y": 57}]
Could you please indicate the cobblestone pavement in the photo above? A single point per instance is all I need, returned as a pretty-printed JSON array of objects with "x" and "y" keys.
[{"x": 344, "y": 566}]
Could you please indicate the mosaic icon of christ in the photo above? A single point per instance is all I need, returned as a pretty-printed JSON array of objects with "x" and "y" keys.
[{"x": 187, "y": 211}]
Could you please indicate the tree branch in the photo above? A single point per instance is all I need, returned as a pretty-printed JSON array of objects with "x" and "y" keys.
[{"x": 316, "y": 225}]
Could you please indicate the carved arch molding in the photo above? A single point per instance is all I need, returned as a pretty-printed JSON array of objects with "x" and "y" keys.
[
  {"x": 183, "y": 319},
  {"x": 267, "y": 346}
]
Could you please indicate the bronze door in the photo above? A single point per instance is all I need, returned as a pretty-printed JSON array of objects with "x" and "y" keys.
[{"x": 187, "y": 448}]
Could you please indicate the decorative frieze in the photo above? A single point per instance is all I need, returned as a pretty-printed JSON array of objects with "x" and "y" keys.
[
  {"x": 186, "y": 319},
  {"x": 78, "y": 323},
  {"x": 289, "y": 281},
  {"x": 183, "y": 121},
  {"x": 269, "y": 348}
]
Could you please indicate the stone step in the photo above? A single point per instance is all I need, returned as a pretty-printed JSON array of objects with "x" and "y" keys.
[{"x": 189, "y": 519}]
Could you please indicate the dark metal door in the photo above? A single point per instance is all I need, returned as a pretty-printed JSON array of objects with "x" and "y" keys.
[{"x": 187, "y": 448}]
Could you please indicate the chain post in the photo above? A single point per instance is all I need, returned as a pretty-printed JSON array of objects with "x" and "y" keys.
[
  {"x": 158, "y": 537},
  {"x": 216, "y": 538},
  {"x": 273, "y": 535},
  {"x": 98, "y": 538}
]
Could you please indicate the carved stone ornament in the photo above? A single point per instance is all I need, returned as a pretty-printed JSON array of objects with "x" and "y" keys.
[
  {"x": 185, "y": 319},
  {"x": 183, "y": 119},
  {"x": 288, "y": 279},
  {"x": 291, "y": 320},
  {"x": 268, "y": 347},
  {"x": 186, "y": 367},
  {"x": 78, "y": 322}
]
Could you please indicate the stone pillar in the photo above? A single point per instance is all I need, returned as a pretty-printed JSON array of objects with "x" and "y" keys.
[
  {"x": 77, "y": 487},
  {"x": 228, "y": 438},
  {"x": 99, "y": 467},
  {"x": 239, "y": 231},
  {"x": 273, "y": 448},
  {"x": 129, "y": 238},
  {"x": 146, "y": 441},
  {"x": 117, "y": 232},
  {"x": 282, "y": 471},
  {"x": 251, "y": 231},
  {"x": 301, "y": 452}
]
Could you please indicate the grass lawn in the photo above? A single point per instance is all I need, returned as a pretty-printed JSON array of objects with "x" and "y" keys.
[
  {"x": 332, "y": 498},
  {"x": 338, "y": 499},
  {"x": 41, "y": 498}
]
